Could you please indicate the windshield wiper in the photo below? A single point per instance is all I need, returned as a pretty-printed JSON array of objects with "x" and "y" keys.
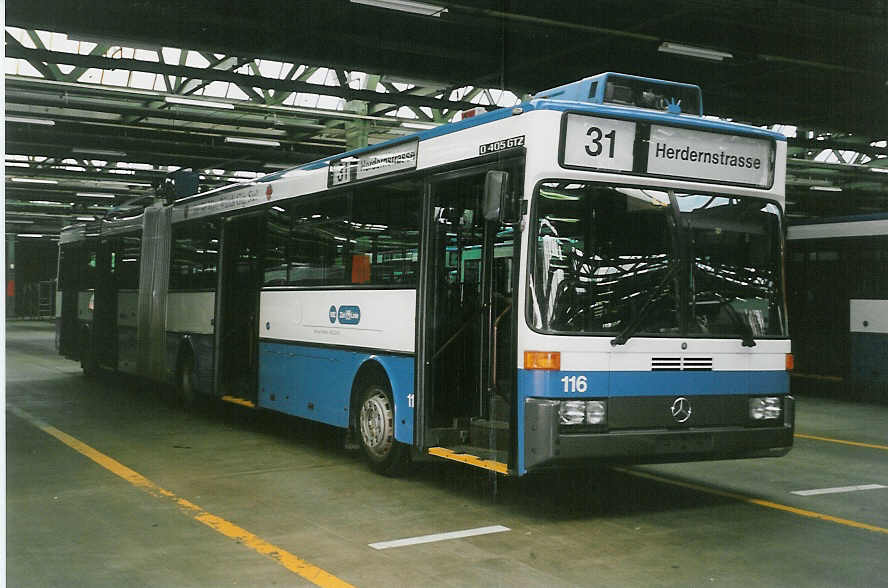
[
  {"x": 746, "y": 334},
  {"x": 633, "y": 326}
]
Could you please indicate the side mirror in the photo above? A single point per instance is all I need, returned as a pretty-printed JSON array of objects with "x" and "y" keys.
[{"x": 498, "y": 205}]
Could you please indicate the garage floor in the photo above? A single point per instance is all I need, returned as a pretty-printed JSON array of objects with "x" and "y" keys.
[{"x": 107, "y": 485}]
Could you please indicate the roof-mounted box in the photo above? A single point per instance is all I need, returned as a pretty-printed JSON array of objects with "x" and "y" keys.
[{"x": 635, "y": 91}]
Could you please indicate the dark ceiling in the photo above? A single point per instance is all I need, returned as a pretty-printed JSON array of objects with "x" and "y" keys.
[
  {"x": 818, "y": 64},
  {"x": 822, "y": 66}
]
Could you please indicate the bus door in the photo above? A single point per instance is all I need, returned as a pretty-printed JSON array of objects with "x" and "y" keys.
[
  {"x": 466, "y": 316},
  {"x": 238, "y": 307}
]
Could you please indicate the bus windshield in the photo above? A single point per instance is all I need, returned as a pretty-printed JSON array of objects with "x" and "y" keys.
[{"x": 638, "y": 261}]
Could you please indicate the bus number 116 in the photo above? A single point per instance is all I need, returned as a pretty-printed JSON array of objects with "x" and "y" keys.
[{"x": 576, "y": 384}]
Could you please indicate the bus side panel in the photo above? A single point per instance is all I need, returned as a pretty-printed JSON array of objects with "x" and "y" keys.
[{"x": 315, "y": 382}]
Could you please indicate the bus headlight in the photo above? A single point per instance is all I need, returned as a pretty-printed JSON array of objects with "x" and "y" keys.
[
  {"x": 596, "y": 412},
  {"x": 582, "y": 412},
  {"x": 572, "y": 412},
  {"x": 765, "y": 408}
]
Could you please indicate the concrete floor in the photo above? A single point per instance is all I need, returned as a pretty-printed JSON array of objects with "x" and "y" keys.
[{"x": 72, "y": 522}]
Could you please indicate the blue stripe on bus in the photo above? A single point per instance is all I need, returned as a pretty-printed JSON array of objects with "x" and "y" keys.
[
  {"x": 315, "y": 383},
  {"x": 599, "y": 384}
]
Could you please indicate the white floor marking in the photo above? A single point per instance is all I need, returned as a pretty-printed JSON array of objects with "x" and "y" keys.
[
  {"x": 439, "y": 537},
  {"x": 838, "y": 490}
]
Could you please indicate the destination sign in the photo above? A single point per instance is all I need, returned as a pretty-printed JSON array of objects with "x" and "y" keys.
[
  {"x": 388, "y": 160},
  {"x": 710, "y": 156},
  {"x": 606, "y": 144}
]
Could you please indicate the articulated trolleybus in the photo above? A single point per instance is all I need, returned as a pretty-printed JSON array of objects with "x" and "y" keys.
[{"x": 595, "y": 275}]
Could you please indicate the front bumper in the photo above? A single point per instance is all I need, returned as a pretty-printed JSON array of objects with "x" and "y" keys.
[{"x": 546, "y": 445}]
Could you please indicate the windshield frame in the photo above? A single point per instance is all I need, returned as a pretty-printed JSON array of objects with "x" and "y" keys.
[{"x": 684, "y": 333}]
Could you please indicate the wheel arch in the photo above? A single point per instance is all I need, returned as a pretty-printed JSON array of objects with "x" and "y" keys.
[
  {"x": 396, "y": 373},
  {"x": 371, "y": 371}
]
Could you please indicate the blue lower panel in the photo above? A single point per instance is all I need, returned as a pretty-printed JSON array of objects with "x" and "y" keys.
[
  {"x": 563, "y": 384},
  {"x": 316, "y": 383},
  {"x": 869, "y": 359}
]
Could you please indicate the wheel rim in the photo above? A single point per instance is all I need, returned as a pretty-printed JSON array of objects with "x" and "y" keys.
[{"x": 377, "y": 425}]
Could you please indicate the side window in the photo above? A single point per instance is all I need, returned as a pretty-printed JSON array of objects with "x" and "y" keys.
[
  {"x": 194, "y": 255},
  {"x": 128, "y": 254},
  {"x": 385, "y": 234},
  {"x": 277, "y": 236},
  {"x": 319, "y": 242}
]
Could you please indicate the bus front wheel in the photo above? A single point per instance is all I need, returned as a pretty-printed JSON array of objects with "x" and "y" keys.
[{"x": 376, "y": 422}]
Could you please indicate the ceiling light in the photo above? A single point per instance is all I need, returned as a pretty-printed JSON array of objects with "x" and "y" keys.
[
  {"x": 29, "y": 235},
  {"x": 192, "y": 102},
  {"x": 691, "y": 51},
  {"x": 17, "y": 164},
  {"x": 405, "y": 6},
  {"x": 33, "y": 181},
  {"x": 272, "y": 165},
  {"x": 30, "y": 121},
  {"x": 85, "y": 218},
  {"x": 245, "y": 141},
  {"x": 826, "y": 188},
  {"x": 95, "y": 195},
  {"x": 20, "y": 222},
  {"x": 47, "y": 202},
  {"x": 102, "y": 152},
  {"x": 882, "y": 170}
]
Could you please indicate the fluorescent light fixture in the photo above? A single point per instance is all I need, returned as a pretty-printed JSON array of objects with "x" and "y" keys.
[
  {"x": 691, "y": 51},
  {"x": 33, "y": 181},
  {"x": 422, "y": 8},
  {"x": 271, "y": 165},
  {"x": 20, "y": 222},
  {"x": 29, "y": 235},
  {"x": 826, "y": 188},
  {"x": 102, "y": 152},
  {"x": 193, "y": 102},
  {"x": 85, "y": 218},
  {"x": 95, "y": 195},
  {"x": 47, "y": 202},
  {"x": 246, "y": 141},
  {"x": 881, "y": 170},
  {"x": 30, "y": 121},
  {"x": 17, "y": 164},
  {"x": 418, "y": 125}
]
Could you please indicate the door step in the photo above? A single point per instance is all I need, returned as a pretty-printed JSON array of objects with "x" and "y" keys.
[
  {"x": 239, "y": 401},
  {"x": 485, "y": 458},
  {"x": 487, "y": 433}
]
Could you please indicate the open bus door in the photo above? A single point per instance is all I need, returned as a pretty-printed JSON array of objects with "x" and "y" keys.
[
  {"x": 237, "y": 308},
  {"x": 466, "y": 360}
]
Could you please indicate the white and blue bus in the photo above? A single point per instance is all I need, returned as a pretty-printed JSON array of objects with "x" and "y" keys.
[{"x": 595, "y": 275}]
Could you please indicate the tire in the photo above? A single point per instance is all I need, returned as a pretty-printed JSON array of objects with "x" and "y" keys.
[
  {"x": 376, "y": 426},
  {"x": 186, "y": 391}
]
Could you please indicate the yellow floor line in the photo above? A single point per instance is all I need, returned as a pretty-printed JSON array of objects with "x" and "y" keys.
[
  {"x": 842, "y": 441},
  {"x": 241, "y": 401},
  {"x": 486, "y": 464},
  {"x": 757, "y": 501},
  {"x": 295, "y": 564}
]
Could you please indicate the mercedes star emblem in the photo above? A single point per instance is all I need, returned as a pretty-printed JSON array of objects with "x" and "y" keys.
[{"x": 681, "y": 409}]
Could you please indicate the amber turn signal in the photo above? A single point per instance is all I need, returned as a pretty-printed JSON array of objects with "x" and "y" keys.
[
  {"x": 790, "y": 362},
  {"x": 542, "y": 360}
]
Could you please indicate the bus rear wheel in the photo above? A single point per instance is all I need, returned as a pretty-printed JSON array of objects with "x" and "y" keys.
[
  {"x": 376, "y": 424},
  {"x": 185, "y": 384}
]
